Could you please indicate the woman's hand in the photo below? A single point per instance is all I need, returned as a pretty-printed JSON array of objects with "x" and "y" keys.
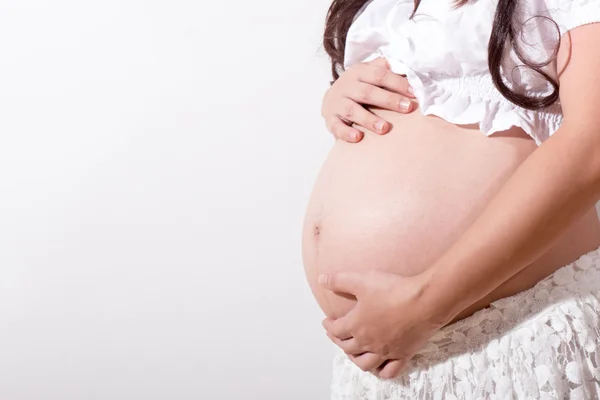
[
  {"x": 392, "y": 320},
  {"x": 371, "y": 83}
]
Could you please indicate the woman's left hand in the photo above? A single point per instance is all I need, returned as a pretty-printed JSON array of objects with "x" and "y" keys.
[{"x": 392, "y": 320}]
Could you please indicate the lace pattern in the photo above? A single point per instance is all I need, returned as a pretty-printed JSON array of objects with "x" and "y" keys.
[{"x": 542, "y": 343}]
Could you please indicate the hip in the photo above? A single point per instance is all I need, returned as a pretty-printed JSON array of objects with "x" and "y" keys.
[{"x": 540, "y": 343}]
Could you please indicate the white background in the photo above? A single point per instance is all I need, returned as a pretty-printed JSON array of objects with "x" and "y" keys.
[{"x": 156, "y": 158}]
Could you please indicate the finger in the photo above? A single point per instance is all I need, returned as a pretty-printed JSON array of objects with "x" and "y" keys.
[
  {"x": 365, "y": 93},
  {"x": 384, "y": 77},
  {"x": 350, "y": 346},
  {"x": 349, "y": 110},
  {"x": 343, "y": 282},
  {"x": 367, "y": 361},
  {"x": 344, "y": 132},
  {"x": 391, "y": 369},
  {"x": 340, "y": 328},
  {"x": 380, "y": 62}
]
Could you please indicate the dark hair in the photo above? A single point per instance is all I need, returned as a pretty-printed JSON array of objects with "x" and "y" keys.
[{"x": 342, "y": 12}]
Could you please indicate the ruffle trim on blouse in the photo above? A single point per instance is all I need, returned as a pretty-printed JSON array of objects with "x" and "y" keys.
[
  {"x": 475, "y": 100},
  {"x": 458, "y": 93},
  {"x": 572, "y": 14}
]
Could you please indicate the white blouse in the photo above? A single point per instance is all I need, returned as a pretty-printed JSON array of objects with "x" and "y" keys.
[{"x": 443, "y": 53}]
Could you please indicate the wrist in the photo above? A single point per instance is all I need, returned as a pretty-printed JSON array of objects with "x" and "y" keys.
[{"x": 441, "y": 296}]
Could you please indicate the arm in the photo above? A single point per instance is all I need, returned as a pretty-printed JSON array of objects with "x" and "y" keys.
[
  {"x": 554, "y": 187},
  {"x": 395, "y": 316}
]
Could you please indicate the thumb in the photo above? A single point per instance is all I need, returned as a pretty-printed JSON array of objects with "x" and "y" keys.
[{"x": 343, "y": 282}]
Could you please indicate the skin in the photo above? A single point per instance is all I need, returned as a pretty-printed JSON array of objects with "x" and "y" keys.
[
  {"x": 395, "y": 316},
  {"x": 371, "y": 83}
]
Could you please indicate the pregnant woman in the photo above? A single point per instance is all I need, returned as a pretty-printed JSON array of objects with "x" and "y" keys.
[{"x": 451, "y": 238}]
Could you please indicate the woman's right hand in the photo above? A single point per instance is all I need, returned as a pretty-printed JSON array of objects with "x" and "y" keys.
[{"x": 370, "y": 83}]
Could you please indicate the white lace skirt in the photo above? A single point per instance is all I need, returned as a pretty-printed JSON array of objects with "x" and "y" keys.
[{"x": 543, "y": 343}]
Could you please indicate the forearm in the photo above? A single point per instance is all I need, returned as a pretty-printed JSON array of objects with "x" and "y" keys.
[{"x": 553, "y": 188}]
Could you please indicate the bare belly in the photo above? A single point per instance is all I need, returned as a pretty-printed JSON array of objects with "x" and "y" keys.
[{"x": 397, "y": 202}]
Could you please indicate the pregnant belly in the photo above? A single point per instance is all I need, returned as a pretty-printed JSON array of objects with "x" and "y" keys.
[{"x": 396, "y": 202}]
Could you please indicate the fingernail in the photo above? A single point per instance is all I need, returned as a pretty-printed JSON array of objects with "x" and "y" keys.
[
  {"x": 404, "y": 104},
  {"x": 354, "y": 135},
  {"x": 322, "y": 280},
  {"x": 411, "y": 90},
  {"x": 379, "y": 125}
]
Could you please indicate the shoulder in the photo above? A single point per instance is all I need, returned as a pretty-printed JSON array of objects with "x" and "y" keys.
[
  {"x": 569, "y": 14},
  {"x": 578, "y": 64}
]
